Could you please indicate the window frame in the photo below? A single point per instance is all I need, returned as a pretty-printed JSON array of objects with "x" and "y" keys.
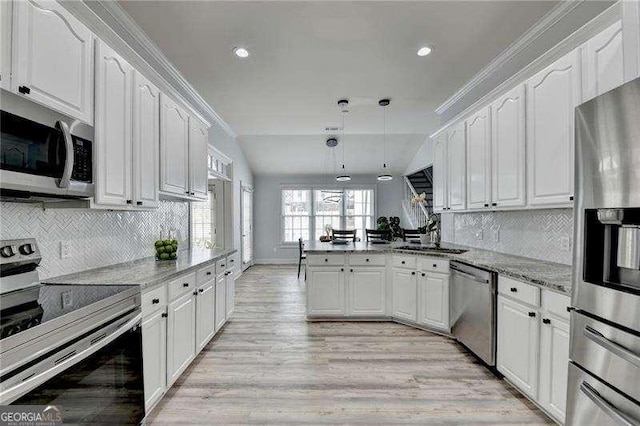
[{"x": 211, "y": 200}]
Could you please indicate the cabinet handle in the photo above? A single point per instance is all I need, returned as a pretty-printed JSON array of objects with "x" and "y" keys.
[
  {"x": 222, "y": 266},
  {"x": 164, "y": 315},
  {"x": 186, "y": 192},
  {"x": 571, "y": 198},
  {"x": 486, "y": 205},
  {"x": 532, "y": 314},
  {"x": 129, "y": 201},
  {"x": 155, "y": 301},
  {"x": 24, "y": 90},
  {"x": 403, "y": 262},
  {"x": 208, "y": 272},
  {"x": 413, "y": 273},
  {"x": 192, "y": 193},
  {"x": 195, "y": 293},
  {"x": 435, "y": 265},
  {"x": 200, "y": 290},
  {"x": 546, "y": 321},
  {"x": 139, "y": 203},
  {"x": 513, "y": 290},
  {"x": 185, "y": 284},
  {"x": 494, "y": 204}
]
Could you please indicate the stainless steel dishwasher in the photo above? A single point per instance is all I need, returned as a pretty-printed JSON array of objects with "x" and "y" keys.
[{"x": 473, "y": 310}]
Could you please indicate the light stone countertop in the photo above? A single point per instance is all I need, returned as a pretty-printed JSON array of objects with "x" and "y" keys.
[
  {"x": 555, "y": 276},
  {"x": 146, "y": 272}
]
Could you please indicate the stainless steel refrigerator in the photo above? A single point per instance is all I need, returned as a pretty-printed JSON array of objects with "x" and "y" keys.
[{"x": 604, "y": 367}]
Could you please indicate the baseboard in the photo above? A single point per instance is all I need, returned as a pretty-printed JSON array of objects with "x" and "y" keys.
[{"x": 275, "y": 262}]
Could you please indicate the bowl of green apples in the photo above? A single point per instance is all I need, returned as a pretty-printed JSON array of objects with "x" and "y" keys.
[{"x": 166, "y": 249}]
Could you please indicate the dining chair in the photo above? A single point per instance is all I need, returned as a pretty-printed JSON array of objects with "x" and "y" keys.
[
  {"x": 344, "y": 234},
  {"x": 377, "y": 236},
  {"x": 411, "y": 235},
  {"x": 303, "y": 256}
]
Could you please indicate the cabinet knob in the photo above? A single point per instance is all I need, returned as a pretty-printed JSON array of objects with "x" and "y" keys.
[
  {"x": 139, "y": 203},
  {"x": 486, "y": 205},
  {"x": 435, "y": 265},
  {"x": 532, "y": 314},
  {"x": 185, "y": 284},
  {"x": 129, "y": 201},
  {"x": 413, "y": 273},
  {"x": 546, "y": 321},
  {"x": 155, "y": 301},
  {"x": 164, "y": 315},
  {"x": 367, "y": 260},
  {"x": 571, "y": 198},
  {"x": 513, "y": 290},
  {"x": 186, "y": 192},
  {"x": 326, "y": 260},
  {"x": 423, "y": 274},
  {"x": 403, "y": 262},
  {"x": 208, "y": 272},
  {"x": 351, "y": 270},
  {"x": 24, "y": 90},
  {"x": 494, "y": 204},
  {"x": 341, "y": 269},
  {"x": 200, "y": 290},
  {"x": 195, "y": 293},
  {"x": 192, "y": 193}
]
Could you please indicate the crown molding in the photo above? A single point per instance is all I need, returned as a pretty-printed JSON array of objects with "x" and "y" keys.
[
  {"x": 109, "y": 21},
  {"x": 525, "y": 40}
]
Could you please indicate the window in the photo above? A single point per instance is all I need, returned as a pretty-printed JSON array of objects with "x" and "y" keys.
[
  {"x": 317, "y": 208},
  {"x": 203, "y": 228}
]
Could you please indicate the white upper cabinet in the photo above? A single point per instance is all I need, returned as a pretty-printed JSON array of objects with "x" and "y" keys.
[
  {"x": 5, "y": 44},
  {"x": 198, "y": 168},
  {"x": 440, "y": 172},
  {"x": 603, "y": 62},
  {"x": 52, "y": 58},
  {"x": 479, "y": 159},
  {"x": 552, "y": 96},
  {"x": 456, "y": 150},
  {"x": 113, "y": 128},
  {"x": 146, "y": 142},
  {"x": 508, "y": 149},
  {"x": 174, "y": 148}
]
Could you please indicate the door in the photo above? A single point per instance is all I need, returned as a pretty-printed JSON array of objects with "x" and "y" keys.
[
  {"x": 552, "y": 96},
  {"x": 181, "y": 336},
  {"x": 479, "y": 160},
  {"x": 603, "y": 62},
  {"x": 326, "y": 291},
  {"x": 52, "y": 60},
  {"x": 433, "y": 297},
  {"x": 554, "y": 365},
  {"x": 440, "y": 172},
  {"x": 247, "y": 227},
  {"x": 198, "y": 169},
  {"x": 457, "y": 179},
  {"x": 230, "y": 293},
  {"x": 205, "y": 314},
  {"x": 221, "y": 310},
  {"x": 508, "y": 149},
  {"x": 154, "y": 356},
  {"x": 113, "y": 128},
  {"x": 146, "y": 141},
  {"x": 367, "y": 291},
  {"x": 405, "y": 292},
  {"x": 174, "y": 147},
  {"x": 517, "y": 356}
]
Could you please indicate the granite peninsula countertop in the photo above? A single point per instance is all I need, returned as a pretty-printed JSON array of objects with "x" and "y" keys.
[
  {"x": 555, "y": 276},
  {"x": 146, "y": 272}
]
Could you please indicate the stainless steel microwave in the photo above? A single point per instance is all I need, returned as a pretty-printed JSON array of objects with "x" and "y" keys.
[{"x": 39, "y": 161}]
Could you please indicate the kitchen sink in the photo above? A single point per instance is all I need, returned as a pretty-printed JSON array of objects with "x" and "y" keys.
[{"x": 433, "y": 249}]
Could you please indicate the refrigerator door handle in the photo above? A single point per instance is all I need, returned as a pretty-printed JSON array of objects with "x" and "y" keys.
[
  {"x": 606, "y": 406},
  {"x": 612, "y": 347}
]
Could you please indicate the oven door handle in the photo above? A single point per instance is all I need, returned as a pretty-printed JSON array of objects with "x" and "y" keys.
[
  {"x": 606, "y": 406},
  {"x": 613, "y": 347},
  {"x": 68, "y": 164}
]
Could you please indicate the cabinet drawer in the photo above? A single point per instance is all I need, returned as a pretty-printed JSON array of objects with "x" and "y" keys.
[
  {"x": 153, "y": 300},
  {"x": 518, "y": 290},
  {"x": 182, "y": 285},
  {"x": 326, "y": 259},
  {"x": 221, "y": 266},
  {"x": 367, "y": 260},
  {"x": 556, "y": 303},
  {"x": 234, "y": 261},
  {"x": 205, "y": 274},
  {"x": 429, "y": 264},
  {"x": 404, "y": 262}
]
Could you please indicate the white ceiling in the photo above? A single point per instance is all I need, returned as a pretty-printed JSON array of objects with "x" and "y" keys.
[{"x": 306, "y": 55}]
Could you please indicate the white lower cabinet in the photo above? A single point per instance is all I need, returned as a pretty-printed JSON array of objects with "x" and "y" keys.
[
  {"x": 221, "y": 291},
  {"x": 554, "y": 355},
  {"x": 154, "y": 355},
  {"x": 433, "y": 297},
  {"x": 181, "y": 336},
  {"x": 326, "y": 291},
  {"x": 366, "y": 291},
  {"x": 405, "y": 287},
  {"x": 230, "y": 293},
  {"x": 205, "y": 314}
]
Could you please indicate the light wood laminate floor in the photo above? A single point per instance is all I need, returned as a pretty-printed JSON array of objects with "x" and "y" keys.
[{"x": 268, "y": 365}]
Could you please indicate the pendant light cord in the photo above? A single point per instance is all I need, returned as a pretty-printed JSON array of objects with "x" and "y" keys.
[{"x": 384, "y": 140}]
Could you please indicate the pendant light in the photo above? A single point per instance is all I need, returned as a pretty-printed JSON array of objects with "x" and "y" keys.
[
  {"x": 384, "y": 176},
  {"x": 343, "y": 104},
  {"x": 333, "y": 196}
]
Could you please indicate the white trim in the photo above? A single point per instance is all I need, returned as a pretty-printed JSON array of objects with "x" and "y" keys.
[
  {"x": 573, "y": 41},
  {"x": 531, "y": 35},
  {"x": 215, "y": 152}
]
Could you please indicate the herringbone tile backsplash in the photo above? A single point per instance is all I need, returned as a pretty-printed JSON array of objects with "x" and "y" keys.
[
  {"x": 538, "y": 234},
  {"x": 97, "y": 237}
]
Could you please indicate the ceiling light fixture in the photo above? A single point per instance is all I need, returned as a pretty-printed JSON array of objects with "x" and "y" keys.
[
  {"x": 425, "y": 50},
  {"x": 384, "y": 176},
  {"x": 241, "y": 52},
  {"x": 344, "y": 105}
]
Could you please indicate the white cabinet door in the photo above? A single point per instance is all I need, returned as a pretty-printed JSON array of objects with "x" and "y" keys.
[
  {"x": 221, "y": 296},
  {"x": 181, "y": 336},
  {"x": 405, "y": 293},
  {"x": 433, "y": 300},
  {"x": 367, "y": 291},
  {"x": 230, "y": 293},
  {"x": 52, "y": 60},
  {"x": 205, "y": 314},
  {"x": 5, "y": 44},
  {"x": 174, "y": 147},
  {"x": 508, "y": 149},
  {"x": 554, "y": 362},
  {"x": 326, "y": 291},
  {"x": 146, "y": 142},
  {"x": 457, "y": 178},
  {"x": 603, "y": 62},
  {"x": 112, "y": 128},
  {"x": 479, "y": 159},
  {"x": 440, "y": 172},
  {"x": 518, "y": 333},
  {"x": 198, "y": 170},
  {"x": 154, "y": 355},
  {"x": 552, "y": 96}
]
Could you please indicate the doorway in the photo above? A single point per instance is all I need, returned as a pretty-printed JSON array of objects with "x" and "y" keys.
[{"x": 247, "y": 226}]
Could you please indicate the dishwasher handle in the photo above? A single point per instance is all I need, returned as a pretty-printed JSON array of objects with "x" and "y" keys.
[{"x": 469, "y": 276}]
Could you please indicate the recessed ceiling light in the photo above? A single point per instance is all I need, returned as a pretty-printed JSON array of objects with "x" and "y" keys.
[
  {"x": 424, "y": 51},
  {"x": 241, "y": 52}
]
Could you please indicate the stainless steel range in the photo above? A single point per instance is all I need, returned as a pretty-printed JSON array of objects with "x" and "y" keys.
[
  {"x": 78, "y": 347},
  {"x": 604, "y": 368}
]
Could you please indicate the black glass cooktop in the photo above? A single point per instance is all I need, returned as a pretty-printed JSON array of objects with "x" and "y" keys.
[{"x": 28, "y": 307}]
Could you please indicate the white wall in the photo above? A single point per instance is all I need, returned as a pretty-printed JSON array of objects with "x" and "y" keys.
[
  {"x": 267, "y": 210},
  {"x": 422, "y": 159}
]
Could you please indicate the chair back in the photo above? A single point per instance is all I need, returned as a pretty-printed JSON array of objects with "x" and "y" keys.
[
  {"x": 344, "y": 235},
  {"x": 411, "y": 235},
  {"x": 378, "y": 235},
  {"x": 300, "y": 246}
]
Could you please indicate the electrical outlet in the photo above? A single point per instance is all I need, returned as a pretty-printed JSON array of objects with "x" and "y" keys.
[
  {"x": 67, "y": 299},
  {"x": 65, "y": 249},
  {"x": 565, "y": 243},
  {"x": 479, "y": 235},
  {"x": 496, "y": 235}
]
